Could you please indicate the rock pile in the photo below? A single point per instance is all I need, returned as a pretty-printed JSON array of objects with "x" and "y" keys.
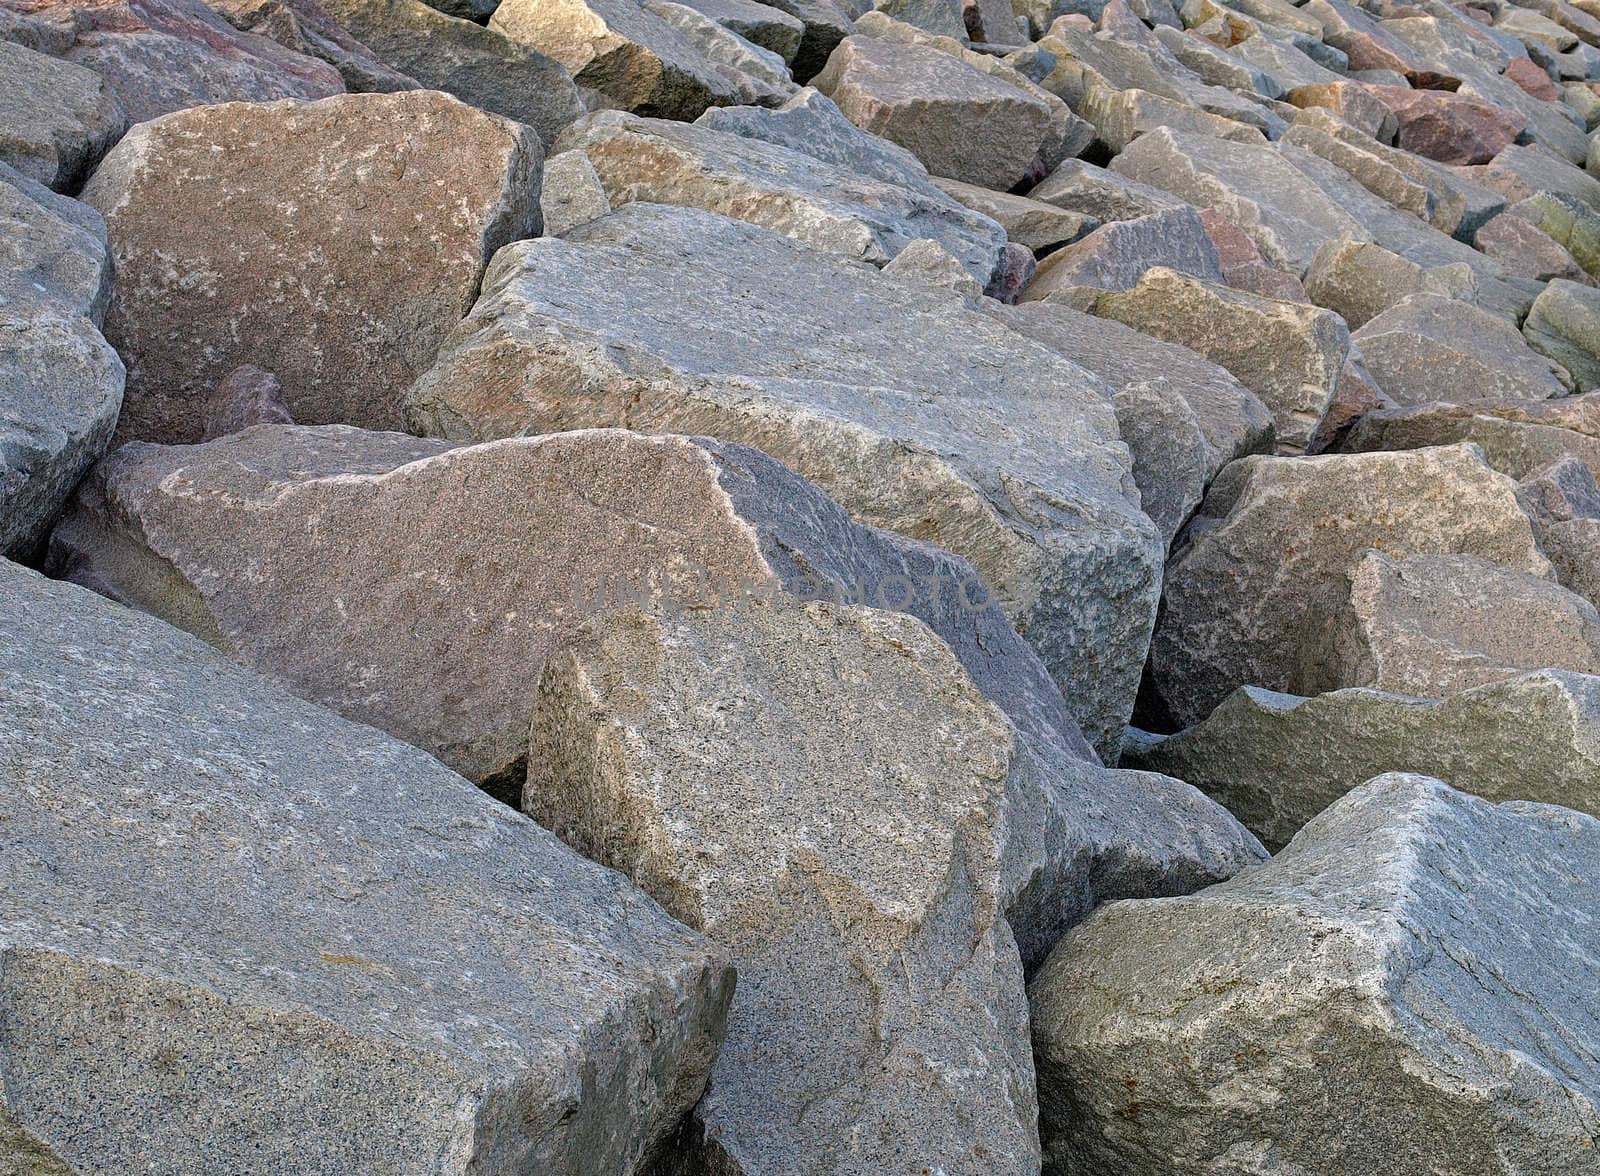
[{"x": 708, "y": 587}]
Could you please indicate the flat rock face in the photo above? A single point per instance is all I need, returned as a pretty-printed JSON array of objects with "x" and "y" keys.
[
  {"x": 1532, "y": 737},
  {"x": 308, "y": 27},
  {"x": 1183, "y": 417},
  {"x": 1361, "y": 279},
  {"x": 777, "y": 188},
  {"x": 350, "y": 236},
  {"x": 1116, "y": 255},
  {"x": 1564, "y": 325},
  {"x": 631, "y": 51},
  {"x": 1417, "y": 957},
  {"x": 60, "y": 381},
  {"x": 1289, "y": 354},
  {"x": 406, "y": 975},
  {"x": 959, "y": 121},
  {"x": 1433, "y": 625},
  {"x": 860, "y": 383},
  {"x": 158, "y": 56},
  {"x": 1428, "y": 347},
  {"x": 58, "y": 119},
  {"x": 821, "y": 790},
  {"x": 476, "y": 64},
  {"x": 1033, "y": 224},
  {"x": 1287, "y": 216},
  {"x": 1449, "y": 128},
  {"x": 1257, "y": 590}
]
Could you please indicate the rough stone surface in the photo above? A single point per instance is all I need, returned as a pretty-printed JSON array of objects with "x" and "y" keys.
[
  {"x": 958, "y": 121},
  {"x": 347, "y": 238},
  {"x": 1533, "y": 737},
  {"x": 635, "y": 52},
  {"x": 1287, "y": 216},
  {"x": 1353, "y": 103},
  {"x": 1033, "y": 224},
  {"x": 821, "y": 790},
  {"x": 1104, "y": 195},
  {"x": 246, "y": 396},
  {"x": 1429, "y": 347},
  {"x": 1257, "y": 591},
  {"x": 1432, "y": 625},
  {"x": 824, "y": 205},
  {"x": 1448, "y": 128},
  {"x": 570, "y": 193},
  {"x": 1241, "y": 262},
  {"x": 307, "y": 27},
  {"x": 158, "y": 56},
  {"x": 60, "y": 382},
  {"x": 1527, "y": 251},
  {"x": 1360, "y": 280},
  {"x": 406, "y": 975},
  {"x": 1517, "y": 445},
  {"x": 1116, "y": 255},
  {"x": 1414, "y": 958},
  {"x": 56, "y": 119},
  {"x": 861, "y": 383},
  {"x": 1564, "y": 325},
  {"x": 1183, "y": 417},
  {"x": 1289, "y": 354},
  {"x": 1568, "y": 221},
  {"x": 478, "y": 65}
]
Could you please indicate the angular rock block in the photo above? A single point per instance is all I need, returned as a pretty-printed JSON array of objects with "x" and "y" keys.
[
  {"x": 306, "y": 26},
  {"x": 1115, "y": 256},
  {"x": 864, "y": 385},
  {"x": 1258, "y": 592},
  {"x": 328, "y": 951},
  {"x": 57, "y": 119},
  {"x": 1564, "y": 325},
  {"x": 1417, "y": 958},
  {"x": 344, "y": 239},
  {"x": 1534, "y": 737}
]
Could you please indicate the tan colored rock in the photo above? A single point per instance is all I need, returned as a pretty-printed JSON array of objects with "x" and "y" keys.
[
  {"x": 1257, "y": 591},
  {"x": 821, "y": 790},
  {"x": 345, "y": 239},
  {"x": 1432, "y": 625},
  {"x": 1360, "y": 280},
  {"x": 1289, "y": 354},
  {"x": 1352, "y": 102},
  {"x": 1033, "y": 224}
]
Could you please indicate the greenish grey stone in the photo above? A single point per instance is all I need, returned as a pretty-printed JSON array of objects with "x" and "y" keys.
[{"x": 1564, "y": 324}]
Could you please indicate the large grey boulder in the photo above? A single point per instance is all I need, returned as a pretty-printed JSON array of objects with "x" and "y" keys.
[
  {"x": 1518, "y": 445},
  {"x": 1183, "y": 417},
  {"x": 822, "y": 204},
  {"x": 1257, "y": 591},
  {"x": 1116, "y": 255},
  {"x": 1532, "y": 737},
  {"x": 1286, "y": 215},
  {"x": 1033, "y": 224},
  {"x": 61, "y": 383},
  {"x": 478, "y": 65},
  {"x": 822, "y": 790},
  {"x": 959, "y": 121},
  {"x": 1428, "y": 347},
  {"x": 1094, "y": 191},
  {"x": 338, "y": 275},
  {"x": 1564, "y": 325},
  {"x": 239, "y": 934},
  {"x": 650, "y": 319},
  {"x": 307, "y": 27},
  {"x": 1290, "y": 354},
  {"x": 1417, "y": 958},
  {"x": 1432, "y": 625},
  {"x": 56, "y": 119}
]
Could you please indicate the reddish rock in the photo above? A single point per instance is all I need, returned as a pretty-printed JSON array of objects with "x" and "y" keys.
[
  {"x": 246, "y": 396},
  {"x": 1012, "y": 274},
  {"x": 1243, "y": 267},
  {"x": 1533, "y": 79},
  {"x": 1355, "y": 395},
  {"x": 158, "y": 56},
  {"x": 1449, "y": 128},
  {"x": 1527, "y": 251}
]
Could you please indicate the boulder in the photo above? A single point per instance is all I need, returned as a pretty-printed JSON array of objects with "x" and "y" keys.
[
  {"x": 1428, "y": 347},
  {"x": 409, "y": 977},
  {"x": 1351, "y": 101},
  {"x": 56, "y": 119},
  {"x": 1517, "y": 445},
  {"x": 760, "y": 24},
  {"x": 476, "y": 64},
  {"x": 1533, "y": 737},
  {"x": 640, "y": 54},
  {"x": 337, "y": 273},
  {"x": 1368, "y": 168},
  {"x": 1446, "y": 127},
  {"x": 1093, "y": 191},
  {"x": 245, "y": 397},
  {"x": 158, "y": 56},
  {"x": 960, "y": 122},
  {"x": 307, "y": 27},
  {"x": 1241, "y": 262},
  {"x": 1121, "y": 116},
  {"x": 1183, "y": 417},
  {"x": 1568, "y": 221},
  {"x": 822, "y": 791},
  {"x": 1116, "y": 255},
  {"x": 1527, "y": 251},
  {"x": 825, "y": 25},
  {"x": 1289, "y": 354},
  {"x": 1287, "y": 216},
  {"x": 1415, "y": 957},
  {"x": 570, "y": 193},
  {"x": 1563, "y": 500},
  {"x": 824, "y": 205},
  {"x": 1564, "y": 325},
  {"x": 1033, "y": 224},
  {"x": 1522, "y": 171},
  {"x": 750, "y": 73},
  {"x": 863, "y": 384},
  {"x": 1257, "y": 590},
  {"x": 933, "y": 265},
  {"x": 1432, "y": 625},
  {"x": 1361, "y": 279},
  {"x": 60, "y": 382}
]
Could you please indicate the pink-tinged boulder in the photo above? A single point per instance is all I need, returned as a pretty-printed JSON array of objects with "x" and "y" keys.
[
  {"x": 306, "y": 26},
  {"x": 1533, "y": 79},
  {"x": 1527, "y": 251},
  {"x": 341, "y": 242},
  {"x": 1242, "y": 265},
  {"x": 1449, "y": 128},
  {"x": 157, "y": 56},
  {"x": 246, "y": 396}
]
